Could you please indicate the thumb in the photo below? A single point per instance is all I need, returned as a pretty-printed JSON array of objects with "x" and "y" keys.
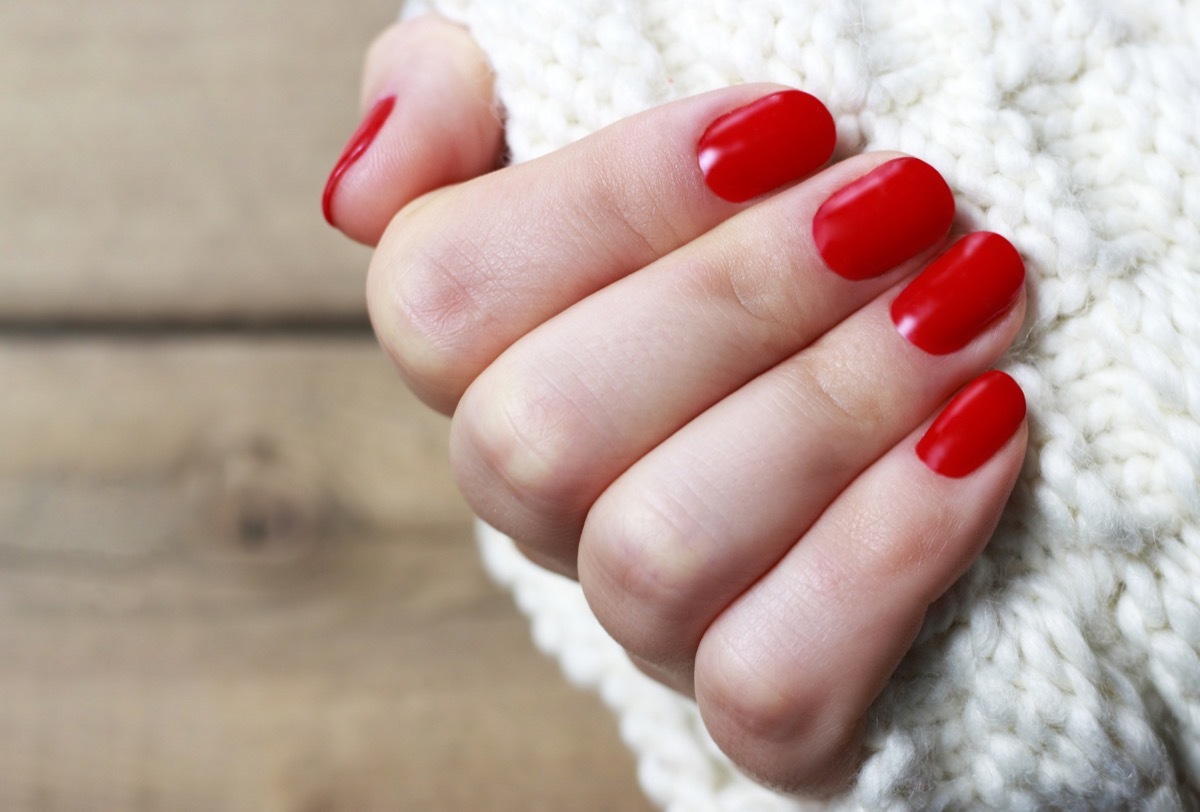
[{"x": 431, "y": 120}]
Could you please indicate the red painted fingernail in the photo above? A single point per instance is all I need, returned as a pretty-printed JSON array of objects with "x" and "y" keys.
[
  {"x": 960, "y": 293},
  {"x": 358, "y": 144},
  {"x": 980, "y": 419},
  {"x": 882, "y": 219},
  {"x": 769, "y": 142}
]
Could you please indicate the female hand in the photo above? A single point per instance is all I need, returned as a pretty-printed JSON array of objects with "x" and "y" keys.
[{"x": 701, "y": 376}]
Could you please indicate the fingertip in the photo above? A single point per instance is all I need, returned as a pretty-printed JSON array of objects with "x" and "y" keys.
[
  {"x": 977, "y": 423},
  {"x": 805, "y": 652},
  {"x": 359, "y": 143},
  {"x": 431, "y": 121}
]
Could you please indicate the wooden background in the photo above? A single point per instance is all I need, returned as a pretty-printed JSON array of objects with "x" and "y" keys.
[{"x": 234, "y": 573}]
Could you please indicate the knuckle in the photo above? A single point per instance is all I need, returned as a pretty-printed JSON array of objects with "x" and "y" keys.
[
  {"x": 785, "y": 734},
  {"x": 771, "y": 304},
  {"x": 640, "y": 572},
  {"x": 423, "y": 302},
  {"x": 627, "y": 206},
  {"x": 529, "y": 438},
  {"x": 829, "y": 383},
  {"x": 744, "y": 708}
]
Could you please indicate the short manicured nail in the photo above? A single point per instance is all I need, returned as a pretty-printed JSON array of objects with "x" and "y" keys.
[
  {"x": 358, "y": 144},
  {"x": 980, "y": 419},
  {"x": 884, "y": 218},
  {"x": 960, "y": 293},
  {"x": 769, "y": 142}
]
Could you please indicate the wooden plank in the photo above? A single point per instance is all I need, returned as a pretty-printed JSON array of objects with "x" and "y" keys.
[
  {"x": 166, "y": 160},
  {"x": 235, "y": 575}
]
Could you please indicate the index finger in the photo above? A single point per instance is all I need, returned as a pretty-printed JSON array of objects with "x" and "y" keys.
[{"x": 462, "y": 274}]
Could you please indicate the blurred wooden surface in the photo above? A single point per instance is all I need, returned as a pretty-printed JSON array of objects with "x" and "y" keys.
[
  {"x": 166, "y": 159},
  {"x": 234, "y": 572}
]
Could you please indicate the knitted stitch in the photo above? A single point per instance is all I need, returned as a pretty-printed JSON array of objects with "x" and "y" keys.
[{"x": 1063, "y": 670}]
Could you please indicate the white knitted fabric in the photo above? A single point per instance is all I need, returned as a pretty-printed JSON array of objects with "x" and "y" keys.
[{"x": 1063, "y": 671}]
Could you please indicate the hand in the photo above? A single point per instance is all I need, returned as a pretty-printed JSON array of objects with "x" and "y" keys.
[{"x": 716, "y": 414}]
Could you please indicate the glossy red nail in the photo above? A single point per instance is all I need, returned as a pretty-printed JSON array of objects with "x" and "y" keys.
[
  {"x": 358, "y": 144},
  {"x": 980, "y": 419},
  {"x": 769, "y": 142},
  {"x": 882, "y": 219},
  {"x": 960, "y": 293}
]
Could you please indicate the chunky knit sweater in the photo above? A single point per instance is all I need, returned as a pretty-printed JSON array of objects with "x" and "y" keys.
[{"x": 1063, "y": 670}]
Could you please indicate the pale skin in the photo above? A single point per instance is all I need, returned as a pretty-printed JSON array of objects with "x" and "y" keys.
[{"x": 671, "y": 398}]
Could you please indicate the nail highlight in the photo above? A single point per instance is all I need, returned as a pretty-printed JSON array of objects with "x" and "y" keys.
[
  {"x": 765, "y": 144},
  {"x": 358, "y": 144},
  {"x": 980, "y": 419},
  {"x": 884, "y": 218},
  {"x": 960, "y": 294}
]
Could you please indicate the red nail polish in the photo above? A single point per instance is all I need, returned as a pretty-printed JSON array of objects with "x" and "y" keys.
[
  {"x": 960, "y": 293},
  {"x": 882, "y": 219},
  {"x": 980, "y": 419},
  {"x": 769, "y": 142},
  {"x": 362, "y": 139}
]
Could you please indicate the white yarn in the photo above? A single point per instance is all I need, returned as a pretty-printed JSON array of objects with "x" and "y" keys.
[{"x": 1063, "y": 671}]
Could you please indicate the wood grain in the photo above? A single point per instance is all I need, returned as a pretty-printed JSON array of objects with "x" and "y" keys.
[
  {"x": 166, "y": 160},
  {"x": 234, "y": 571},
  {"x": 235, "y": 575}
]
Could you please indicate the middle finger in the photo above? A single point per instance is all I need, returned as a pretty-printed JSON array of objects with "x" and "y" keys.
[{"x": 544, "y": 430}]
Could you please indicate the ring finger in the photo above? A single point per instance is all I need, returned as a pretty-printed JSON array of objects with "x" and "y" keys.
[
  {"x": 700, "y": 518},
  {"x": 542, "y": 432}
]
